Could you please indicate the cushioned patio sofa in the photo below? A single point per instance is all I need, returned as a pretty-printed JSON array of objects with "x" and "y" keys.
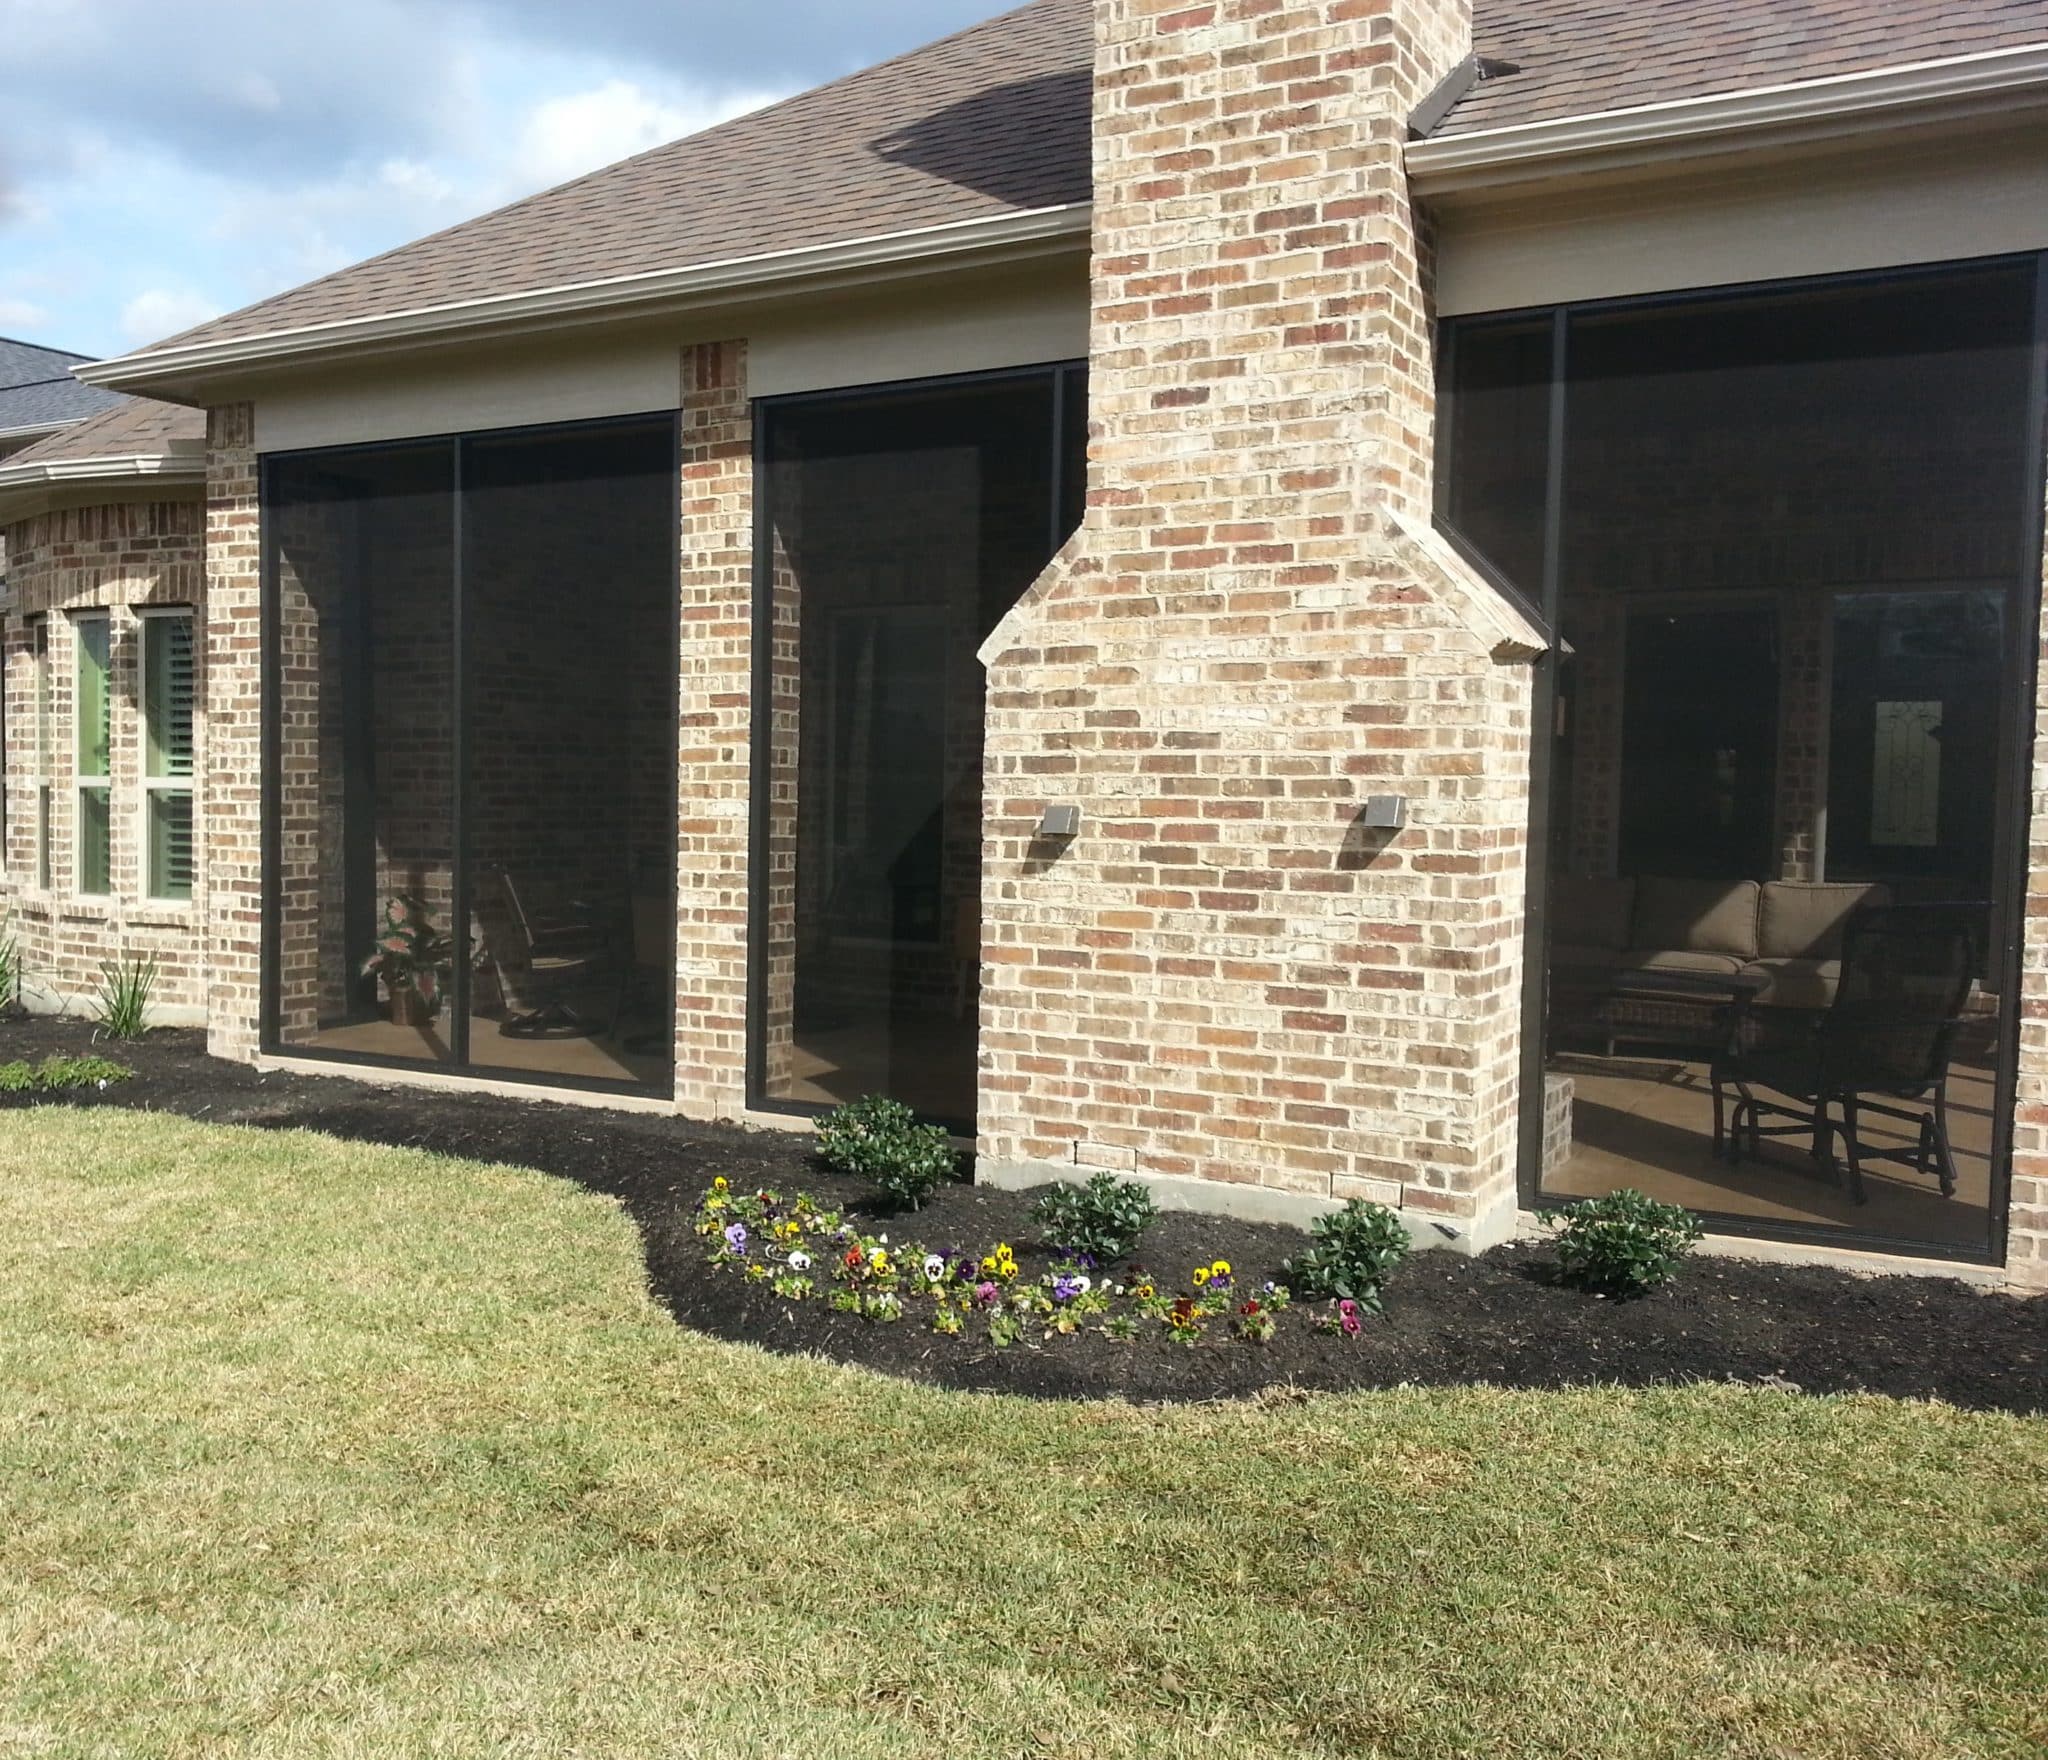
[{"x": 1784, "y": 935}]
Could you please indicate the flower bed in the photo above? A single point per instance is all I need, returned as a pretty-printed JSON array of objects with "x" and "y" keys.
[
  {"x": 807, "y": 1251},
  {"x": 1503, "y": 1318}
]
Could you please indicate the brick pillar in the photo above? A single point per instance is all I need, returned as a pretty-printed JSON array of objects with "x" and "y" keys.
[
  {"x": 2027, "y": 1233},
  {"x": 231, "y": 794},
  {"x": 1225, "y": 976},
  {"x": 712, "y": 750}
]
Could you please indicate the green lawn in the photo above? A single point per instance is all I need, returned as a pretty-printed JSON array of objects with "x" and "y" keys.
[{"x": 315, "y": 1449}]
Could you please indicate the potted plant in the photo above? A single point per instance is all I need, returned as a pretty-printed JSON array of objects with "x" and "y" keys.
[{"x": 412, "y": 957}]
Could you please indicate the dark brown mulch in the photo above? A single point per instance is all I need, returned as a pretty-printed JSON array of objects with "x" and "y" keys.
[{"x": 1449, "y": 1320}]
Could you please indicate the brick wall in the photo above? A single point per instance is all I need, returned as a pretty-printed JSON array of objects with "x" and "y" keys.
[
  {"x": 119, "y": 558},
  {"x": 231, "y": 794},
  {"x": 1225, "y": 975},
  {"x": 2027, "y": 1238},
  {"x": 714, "y": 718}
]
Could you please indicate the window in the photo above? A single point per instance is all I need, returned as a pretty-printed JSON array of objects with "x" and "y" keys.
[
  {"x": 39, "y": 657},
  {"x": 94, "y": 854},
  {"x": 168, "y": 681}
]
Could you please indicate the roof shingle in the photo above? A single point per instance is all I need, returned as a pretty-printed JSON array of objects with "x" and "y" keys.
[
  {"x": 995, "y": 120},
  {"x": 37, "y": 389},
  {"x": 133, "y": 427},
  {"x": 1581, "y": 56},
  {"x": 992, "y": 120}
]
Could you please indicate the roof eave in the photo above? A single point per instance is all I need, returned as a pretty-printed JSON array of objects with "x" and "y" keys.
[
  {"x": 27, "y": 489},
  {"x": 1914, "y": 94},
  {"x": 37, "y": 430},
  {"x": 171, "y": 371}
]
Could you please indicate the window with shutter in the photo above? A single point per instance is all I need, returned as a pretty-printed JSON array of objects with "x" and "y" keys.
[
  {"x": 93, "y": 851},
  {"x": 169, "y": 690}
]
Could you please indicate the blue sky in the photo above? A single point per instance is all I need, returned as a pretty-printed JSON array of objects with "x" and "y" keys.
[{"x": 164, "y": 161}]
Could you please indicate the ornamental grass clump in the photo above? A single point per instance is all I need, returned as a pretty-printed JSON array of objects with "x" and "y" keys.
[
  {"x": 880, "y": 1141},
  {"x": 1101, "y": 1220},
  {"x": 1351, "y": 1254},
  {"x": 1625, "y": 1244},
  {"x": 121, "y": 1002}
]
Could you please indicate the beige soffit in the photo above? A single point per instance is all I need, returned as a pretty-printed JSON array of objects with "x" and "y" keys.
[
  {"x": 851, "y": 262},
  {"x": 1805, "y": 110}
]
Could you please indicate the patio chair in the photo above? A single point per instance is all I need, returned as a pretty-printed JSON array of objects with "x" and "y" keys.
[
  {"x": 537, "y": 966},
  {"x": 1882, "y": 1046}
]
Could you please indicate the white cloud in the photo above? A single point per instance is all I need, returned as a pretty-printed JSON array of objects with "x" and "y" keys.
[
  {"x": 158, "y": 312},
  {"x": 22, "y": 315},
  {"x": 566, "y": 136}
]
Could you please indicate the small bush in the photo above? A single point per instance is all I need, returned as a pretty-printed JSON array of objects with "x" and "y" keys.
[
  {"x": 1625, "y": 1244},
  {"x": 55, "y": 1073},
  {"x": 1350, "y": 1255},
  {"x": 1102, "y": 1219},
  {"x": 122, "y": 1000},
  {"x": 881, "y": 1141}
]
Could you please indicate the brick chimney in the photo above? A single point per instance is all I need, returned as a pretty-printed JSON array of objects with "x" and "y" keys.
[{"x": 1225, "y": 975}]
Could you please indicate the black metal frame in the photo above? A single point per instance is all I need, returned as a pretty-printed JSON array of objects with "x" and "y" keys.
[
  {"x": 270, "y": 999},
  {"x": 2014, "y": 808},
  {"x": 1062, "y": 375}
]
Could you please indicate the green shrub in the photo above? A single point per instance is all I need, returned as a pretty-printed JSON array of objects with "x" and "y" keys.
[
  {"x": 1351, "y": 1253},
  {"x": 1102, "y": 1219},
  {"x": 880, "y": 1141},
  {"x": 122, "y": 1000},
  {"x": 1625, "y": 1244},
  {"x": 55, "y": 1073}
]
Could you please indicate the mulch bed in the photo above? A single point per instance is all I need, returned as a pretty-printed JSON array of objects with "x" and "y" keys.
[{"x": 1499, "y": 1319}]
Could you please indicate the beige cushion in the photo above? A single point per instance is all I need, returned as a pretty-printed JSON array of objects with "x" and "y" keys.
[
  {"x": 1678, "y": 959},
  {"x": 1796, "y": 983},
  {"x": 1591, "y": 913},
  {"x": 1696, "y": 916},
  {"x": 1803, "y": 919}
]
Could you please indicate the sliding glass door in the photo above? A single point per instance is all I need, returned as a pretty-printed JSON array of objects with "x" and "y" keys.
[{"x": 470, "y": 761}]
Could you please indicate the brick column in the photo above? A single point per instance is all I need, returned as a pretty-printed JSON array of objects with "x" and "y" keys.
[
  {"x": 230, "y": 735},
  {"x": 712, "y": 742},
  {"x": 1226, "y": 976},
  {"x": 2027, "y": 1236}
]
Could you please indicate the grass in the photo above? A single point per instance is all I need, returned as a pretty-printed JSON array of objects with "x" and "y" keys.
[{"x": 321, "y": 1449}]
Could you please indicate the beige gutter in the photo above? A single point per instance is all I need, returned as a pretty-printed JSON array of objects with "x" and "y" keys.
[
  {"x": 1851, "y": 103},
  {"x": 844, "y": 262}
]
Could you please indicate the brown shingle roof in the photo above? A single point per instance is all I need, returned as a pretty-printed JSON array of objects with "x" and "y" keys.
[
  {"x": 1578, "y": 56},
  {"x": 995, "y": 120},
  {"x": 990, "y": 121},
  {"x": 136, "y": 427}
]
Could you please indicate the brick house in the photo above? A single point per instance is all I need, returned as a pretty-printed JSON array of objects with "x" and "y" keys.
[{"x": 1299, "y": 598}]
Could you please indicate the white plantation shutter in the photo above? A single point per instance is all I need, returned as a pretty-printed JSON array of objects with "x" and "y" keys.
[
  {"x": 171, "y": 678},
  {"x": 169, "y": 690}
]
